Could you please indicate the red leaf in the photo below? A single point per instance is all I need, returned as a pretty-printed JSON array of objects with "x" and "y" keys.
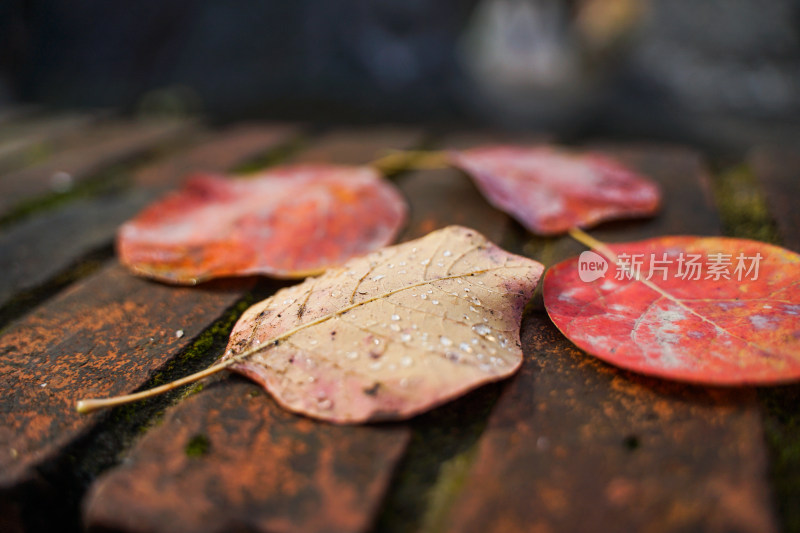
[
  {"x": 550, "y": 191},
  {"x": 722, "y": 332},
  {"x": 287, "y": 222}
]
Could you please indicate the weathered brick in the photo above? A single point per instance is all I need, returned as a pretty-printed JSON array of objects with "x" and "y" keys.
[{"x": 85, "y": 161}]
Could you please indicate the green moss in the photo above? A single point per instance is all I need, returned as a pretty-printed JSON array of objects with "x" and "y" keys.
[
  {"x": 452, "y": 475},
  {"x": 439, "y": 457},
  {"x": 742, "y": 206},
  {"x": 198, "y": 446}
]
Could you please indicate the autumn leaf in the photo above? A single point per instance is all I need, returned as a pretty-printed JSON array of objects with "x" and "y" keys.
[
  {"x": 549, "y": 190},
  {"x": 394, "y": 333},
  {"x": 714, "y": 311},
  {"x": 287, "y": 222}
]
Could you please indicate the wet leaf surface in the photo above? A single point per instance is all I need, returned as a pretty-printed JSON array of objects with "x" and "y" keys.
[
  {"x": 286, "y": 222},
  {"x": 394, "y": 333},
  {"x": 550, "y": 191},
  {"x": 733, "y": 319}
]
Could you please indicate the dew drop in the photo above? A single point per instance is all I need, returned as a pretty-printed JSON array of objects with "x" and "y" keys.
[
  {"x": 424, "y": 262},
  {"x": 402, "y": 272},
  {"x": 405, "y": 337},
  {"x": 312, "y": 342},
  {"x": 466, "y": 289},
  {"x": 378, "y": 277},
  {"x": 325, "y": 404},
  {"x": 423, "y": 296},
  {"x": 476, "y": 301},
  {"x": 288, "y": 301},
  {"x": 376, "y": 365},
  {"x": 395, "y": 317},
  {"x": 435, "y": 302},
  {"x": 352, "y": 355},
  {"x": 179, "y": 333},
  {"x": 394, "y": 327},
  {"x": 336, "y": 293},
  {"x": 445, "y": 341},
  {"x": 430, "y": 291},
  {"x": 471, "y": 308},
  {"x": 391, "y": 265},
  {"x": 465, "y": 347},
  {"x": 481, "y": 329},
  {"x": 439, "y": 264},
  {"x": 447, "y": 253},
  {"x": 402, "y": 263},
  {"x": 486, "y": 368},
  {"x": 311, "y": 379}
]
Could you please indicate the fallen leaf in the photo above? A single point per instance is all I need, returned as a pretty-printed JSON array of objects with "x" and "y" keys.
[
  {"x": 550, "y": 191},
  {"x": 710, "y": 330},
  {"x": 391, "y": 334},
  {"x": 286, "y": 222}
]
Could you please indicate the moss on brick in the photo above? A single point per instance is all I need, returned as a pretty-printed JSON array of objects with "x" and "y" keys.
[{"x": 198, "y": 446}]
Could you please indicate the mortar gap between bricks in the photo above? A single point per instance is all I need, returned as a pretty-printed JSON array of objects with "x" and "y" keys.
[
  {"x": 27, "y": 300},
  {"x": 438, "y": 459}
]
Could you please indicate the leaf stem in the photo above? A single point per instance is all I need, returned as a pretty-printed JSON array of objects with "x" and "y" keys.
[
  {"x": 93, "y": 404},
  {"x": 398, "y": 160},
  {"x": 592, "y": 243},
  {"x": 89, "y": 405}
]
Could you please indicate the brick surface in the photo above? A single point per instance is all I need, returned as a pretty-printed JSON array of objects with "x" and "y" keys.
[
  {"x": 577, "y": 445},
  {"x": 37, "y": 249},
  {"x": 85, "y": 161},
  {"x": 264, "y": 470},
  {"x": 358, "y": 146},
  {"x": 778, "y": 173},
  {"x": 106, "y": 335}
]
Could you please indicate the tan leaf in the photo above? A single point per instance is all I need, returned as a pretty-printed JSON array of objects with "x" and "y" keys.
[{"x": 391, "y": 334}]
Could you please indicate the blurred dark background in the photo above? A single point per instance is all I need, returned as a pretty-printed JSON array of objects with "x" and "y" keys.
[{"x": 723, "y": 72}]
